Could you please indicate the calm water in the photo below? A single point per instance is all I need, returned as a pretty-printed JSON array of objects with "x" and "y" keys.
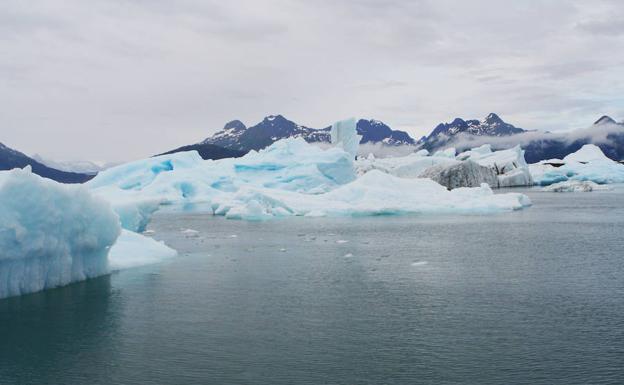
[{"x": 530, "y": 297}]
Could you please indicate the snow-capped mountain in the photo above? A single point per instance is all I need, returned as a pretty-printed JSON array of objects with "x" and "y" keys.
[
  {"x": 604, "y": 119},
  {"x": 271, "y": 129},
  {"x": 492, "y": 125},
  {"x": 605, "y": 133},
  {"x": 10, "y": 159},
  {"x": 235, "y": 135},
  {"x": 374, "y": 131},
  {"x": 464, "y": 134}
]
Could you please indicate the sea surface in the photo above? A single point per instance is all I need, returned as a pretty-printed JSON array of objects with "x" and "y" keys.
[{"x": 529, "y": 297}]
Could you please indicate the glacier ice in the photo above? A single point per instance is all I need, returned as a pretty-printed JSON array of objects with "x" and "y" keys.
[
  {"x": 50, "y": 234},
  {"x": 132, "y": 249},
  {"x": 461, "y": 174},
  {"x": 509, "y": 167},
  {"x": 289, "y": 178},
  {"x": 139, "y": 188},
  {"x": 374, "y": 193},
  {"x": 587, "y": 164},
  {"x": 53, "y": 234},
  {"x": 344, "y": 135},
  {"x": 575, "y": 186}
]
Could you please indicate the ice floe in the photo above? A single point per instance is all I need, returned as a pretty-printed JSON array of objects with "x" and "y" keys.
[{"x": 575, "y": 186}]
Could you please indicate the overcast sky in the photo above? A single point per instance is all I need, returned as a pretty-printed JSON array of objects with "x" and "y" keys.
[{"x": 117, "y": 80}]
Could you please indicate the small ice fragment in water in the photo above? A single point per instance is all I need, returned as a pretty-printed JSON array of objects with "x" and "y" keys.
[
  {"x": 342, "y": 241},
  {"x": 282, "y": 249},
  {"x": 190, "y": 233},
  {"x": 348, "y": 255},
  {"x": 419, "y": 263},
  {"x": 233, "y": 236},
  {"x": 148, "y": 232}
]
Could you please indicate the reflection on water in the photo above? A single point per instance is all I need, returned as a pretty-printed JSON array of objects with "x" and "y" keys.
[{"x": 534, "y": 296}]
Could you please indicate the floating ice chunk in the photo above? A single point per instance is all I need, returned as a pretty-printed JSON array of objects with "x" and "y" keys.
[
  {"x": 410, "y": 166},
  {"x": 50, "y": 234},
  {"x": 461, "y": 174},
  {"x": 587, "y": 153},
  {"x": 137, "y": 189},
  {"x": 446, "y": 153},
  {"x": 344, "y": 135},
  {"x": 189, "y": 233},
  {"x": 419, "y": 263},
  {"x": 510, "y": 166},
  {"x": 587, "y": 164},
  {"x": 342, "y": 241},
  {"x": 375, "y": 193},
  {"x": 132, "y": 249},
  {"x": 291, "y": 177},
  {"x": 575, "y": 186}
]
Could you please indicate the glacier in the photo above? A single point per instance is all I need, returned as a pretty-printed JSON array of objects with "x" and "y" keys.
[
  {"x": 587, "y": 164},
  {"x": 50, "y": 234}
]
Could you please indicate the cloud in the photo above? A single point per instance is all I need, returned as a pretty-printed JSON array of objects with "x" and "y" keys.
[
  {"x": 594, "y": 134},
  {"x": 117, "y": 80}
]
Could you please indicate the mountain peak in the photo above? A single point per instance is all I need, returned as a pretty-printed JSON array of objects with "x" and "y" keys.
[
  {"x": 272, "y": 118},
  {"x": 234, "y": 125},
  {"x": 604, "y": 119},
  {"x": 493, "y": 118}
]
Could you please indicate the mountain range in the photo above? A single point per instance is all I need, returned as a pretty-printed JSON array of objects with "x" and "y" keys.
[
  {"x": 235, "y": 135},
  {"x": 10, "y": 159},
  {"x": 236, "y": 139}
]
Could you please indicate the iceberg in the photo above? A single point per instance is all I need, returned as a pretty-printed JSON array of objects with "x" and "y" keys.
[
  {"x": 510, "y": 166},
  {"x": 51, "y": 234},
  {"x": 587, "y": 164},
  {"x": 344, "y": 135},
  {"x": 461, "y": 174},
  {"x": 410, "y": 166},
  {"x": 575, "y": 186},
  {"x": 132, "y": 250},
  {"x": 290, "y": 178},
  {"x": 138, "y": 189},
  {"x": 374, "y": 193}
]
